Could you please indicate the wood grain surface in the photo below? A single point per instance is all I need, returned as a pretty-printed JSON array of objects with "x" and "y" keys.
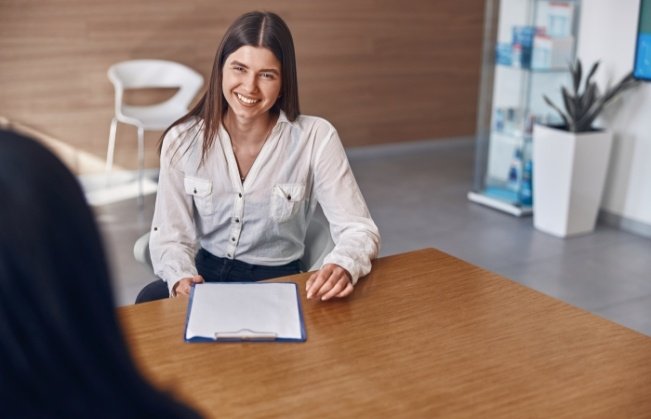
[
  {"x": 380, "y": 70},
  {"x": 424, "y": 335}
]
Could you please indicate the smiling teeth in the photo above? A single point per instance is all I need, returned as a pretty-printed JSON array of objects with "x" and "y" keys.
[{"x": 246, "y": 99}]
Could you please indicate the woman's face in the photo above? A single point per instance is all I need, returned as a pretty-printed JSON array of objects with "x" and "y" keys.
[{"x": 251, "y": 82}]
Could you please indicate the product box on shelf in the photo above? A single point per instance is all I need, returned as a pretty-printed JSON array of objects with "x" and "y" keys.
[
  {"x": 503, "y": 53},
  {"x": 551, "y": 52},
  {"x": 560, "y": 15},
  {"x": 522, "y": 45}
]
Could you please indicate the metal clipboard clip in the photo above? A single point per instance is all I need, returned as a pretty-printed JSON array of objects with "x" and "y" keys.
[{"x": 245, "y": 335}]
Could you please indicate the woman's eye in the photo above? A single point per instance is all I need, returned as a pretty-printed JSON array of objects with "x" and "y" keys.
[
  {"x": 267, "y": 75},
  {"x": 239, "y": 69}
]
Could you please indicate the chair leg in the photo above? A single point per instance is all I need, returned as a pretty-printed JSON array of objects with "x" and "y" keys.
[
  {"x": 141, "y": 166},
  {"x": 111, "y": 148}
]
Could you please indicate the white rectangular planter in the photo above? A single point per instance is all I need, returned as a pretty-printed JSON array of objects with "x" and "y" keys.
[{"x": 569, "y": 171}]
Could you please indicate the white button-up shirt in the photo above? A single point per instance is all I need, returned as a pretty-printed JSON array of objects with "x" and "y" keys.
[{"x": 262, "y": 220}]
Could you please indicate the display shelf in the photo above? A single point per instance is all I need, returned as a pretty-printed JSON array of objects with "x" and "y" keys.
[
  {"x": 527, "y": 46},
  {"x": 535, "y": 70}
]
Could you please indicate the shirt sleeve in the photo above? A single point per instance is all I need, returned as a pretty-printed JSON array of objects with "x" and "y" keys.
[
  {"x": 173, "y": 234},
  {"x": 356, "y": 236}
]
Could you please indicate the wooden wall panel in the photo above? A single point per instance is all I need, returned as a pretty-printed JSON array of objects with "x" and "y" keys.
[{"x": 380, "y": 70}]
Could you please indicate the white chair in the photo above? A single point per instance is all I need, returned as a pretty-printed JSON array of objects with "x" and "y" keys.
[
  {"x": 139, "y": 74},
  {"x": 318, "y": 243}
]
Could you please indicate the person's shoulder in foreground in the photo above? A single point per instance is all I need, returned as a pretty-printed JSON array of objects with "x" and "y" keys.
[{"x": 63, "y": 354}]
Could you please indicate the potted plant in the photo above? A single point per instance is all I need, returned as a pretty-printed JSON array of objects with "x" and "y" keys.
[{"x": 571, "y": 159}]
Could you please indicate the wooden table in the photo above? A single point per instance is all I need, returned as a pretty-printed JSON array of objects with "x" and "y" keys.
[{"x": 424, "y": 335}]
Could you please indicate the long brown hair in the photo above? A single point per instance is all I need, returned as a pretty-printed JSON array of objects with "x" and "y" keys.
[{"x": 258, "y": 29}]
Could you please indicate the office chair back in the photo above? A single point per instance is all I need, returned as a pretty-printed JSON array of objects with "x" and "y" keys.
[{"x": 318, "y": 241}]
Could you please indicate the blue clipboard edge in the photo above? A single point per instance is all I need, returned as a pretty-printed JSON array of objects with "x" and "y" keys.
[{"x": 303, "y": 337}]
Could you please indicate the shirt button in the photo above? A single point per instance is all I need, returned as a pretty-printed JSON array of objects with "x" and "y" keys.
[
  {"x": 232, "y": 239},
  {"x": 155, "y": 228},
  {"x": 228, "y": 254},
  {"x": 195, "y": 190},
  {"x": 289, "y": 197},
  {"x": 239, "y": 194},
  {"x": 237, "y": 220}
]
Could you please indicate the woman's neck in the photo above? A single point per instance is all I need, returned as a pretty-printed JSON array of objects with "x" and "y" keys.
[{"x": 246, "y": 131}]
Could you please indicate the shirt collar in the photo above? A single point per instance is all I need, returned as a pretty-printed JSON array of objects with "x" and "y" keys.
[{"x": 282, "y": 118}]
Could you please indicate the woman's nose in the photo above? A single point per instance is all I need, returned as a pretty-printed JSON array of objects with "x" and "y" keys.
[{"x": 250, "y": 83}]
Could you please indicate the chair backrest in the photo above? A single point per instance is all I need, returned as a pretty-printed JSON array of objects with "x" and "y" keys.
[
  {"x": 318, "y": 243},
  {"x": 141, "y": 251},
  {"x": 139, "y": 74}
]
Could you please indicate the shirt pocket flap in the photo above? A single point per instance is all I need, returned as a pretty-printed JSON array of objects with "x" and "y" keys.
[
  {"x": 197, "y": 186},
  {"x": 292, "y": 192}
]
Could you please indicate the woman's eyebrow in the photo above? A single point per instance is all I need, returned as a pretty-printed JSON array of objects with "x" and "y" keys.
[
  {"x": 239, "y": 64},
  {"x": 264, "y": 70}
]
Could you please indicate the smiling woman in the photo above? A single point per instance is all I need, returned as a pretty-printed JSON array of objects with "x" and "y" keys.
[
  {"x": 251, "y": 86},
  {"x": 243, "y": 172}
]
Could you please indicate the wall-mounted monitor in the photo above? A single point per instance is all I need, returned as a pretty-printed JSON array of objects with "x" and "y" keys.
[{"x": 642, "y": 67}]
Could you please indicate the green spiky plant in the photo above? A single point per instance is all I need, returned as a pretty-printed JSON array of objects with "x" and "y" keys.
[{"x": 583, "y": 107}]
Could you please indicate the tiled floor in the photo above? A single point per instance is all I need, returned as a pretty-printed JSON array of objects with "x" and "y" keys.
[{"x": 417, "y": 196}]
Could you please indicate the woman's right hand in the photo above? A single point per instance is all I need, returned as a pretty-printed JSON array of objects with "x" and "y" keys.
[{"x": 183, "y": 286}]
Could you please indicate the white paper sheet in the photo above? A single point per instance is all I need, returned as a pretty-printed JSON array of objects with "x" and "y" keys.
[{"x": 244, "y": 311}]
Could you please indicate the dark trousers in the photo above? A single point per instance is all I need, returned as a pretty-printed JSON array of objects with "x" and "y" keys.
[{"x": 216, "y": 269}]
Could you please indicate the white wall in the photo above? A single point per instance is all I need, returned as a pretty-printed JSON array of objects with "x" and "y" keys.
[{"x": 607, "y": 33}]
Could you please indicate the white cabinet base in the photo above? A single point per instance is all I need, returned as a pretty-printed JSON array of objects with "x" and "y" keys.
[{"x": 498, "y": 204}]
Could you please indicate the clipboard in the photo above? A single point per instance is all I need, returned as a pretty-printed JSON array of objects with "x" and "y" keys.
[{"x": 245, "y": 311}]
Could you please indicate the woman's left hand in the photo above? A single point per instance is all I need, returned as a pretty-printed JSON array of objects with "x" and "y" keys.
[{"x": 330, "y": 281}]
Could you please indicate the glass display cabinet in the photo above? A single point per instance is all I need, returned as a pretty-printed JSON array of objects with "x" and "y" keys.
[{"x": 528, "y": 45}]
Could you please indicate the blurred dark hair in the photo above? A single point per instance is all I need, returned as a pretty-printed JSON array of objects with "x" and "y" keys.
[
  {"x": 61, "y": 350},
  {"x": 258, "y": 29}
]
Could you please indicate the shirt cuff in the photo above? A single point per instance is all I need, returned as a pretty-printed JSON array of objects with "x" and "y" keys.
[{"x": 345, "y": 263}]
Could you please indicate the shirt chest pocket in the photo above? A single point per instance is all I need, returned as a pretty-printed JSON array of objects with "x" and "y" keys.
[
  {"x": 286, "y": 199},
  {"x": 201, "y": 191}
]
